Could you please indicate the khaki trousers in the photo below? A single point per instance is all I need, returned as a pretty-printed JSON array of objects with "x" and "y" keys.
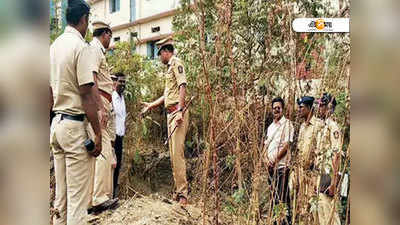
[
  {"x": 72, "y": 165},
  {"x": 325, "y": 207},
  {"x": 176, "y": 149},
  {"x": 305, "y": 183},
  {"x": 103, "y": 172}
]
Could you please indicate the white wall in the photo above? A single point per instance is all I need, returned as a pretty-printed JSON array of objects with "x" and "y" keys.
[
  {"x": 122, "y": 16},
  {"x": 144, "y": 32},
  {"x": 123, "y": 34},
  {"x": 148, "y": 8},
  {"x": 98, "y": 11},
  {"x": 144, "y": 8},
  {"x": 165, "y": 25},
  {"x": 142, "y": 49},
  {"x": 101, "y": 10}
]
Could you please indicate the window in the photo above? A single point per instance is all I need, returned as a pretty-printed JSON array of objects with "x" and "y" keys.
[
  {"x": 152, "y": 49},
  {"x": 116, "y": 39},
  {"x": 114, "y": 6},
  {"x": 155, "y": 29}
]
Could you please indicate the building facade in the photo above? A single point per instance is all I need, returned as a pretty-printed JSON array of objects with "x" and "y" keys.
[{"x": 141, "y": 22}]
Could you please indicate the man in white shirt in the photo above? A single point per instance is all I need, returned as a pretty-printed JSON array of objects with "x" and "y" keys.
[
  {"x": 120, "y": 116},
  {"x": 279, "y": 136}
]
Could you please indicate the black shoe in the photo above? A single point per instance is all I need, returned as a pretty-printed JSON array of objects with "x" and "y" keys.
[
  {"x": 90, "y": 210},
  {"x": 112, "y": 203},
  {"x": 109, "y": 204}
]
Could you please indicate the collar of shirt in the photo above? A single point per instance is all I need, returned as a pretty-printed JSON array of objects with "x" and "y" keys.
[
  {"x": 72, "y": 30},
  {"x": 281, "y": 121},
  {"x": 330, "y": 119},
  {"x": 97, "y": 43},
  {"x": 170, "y": 60},
  {"x": 120, "y": 97},
  {"x": 311, "y": 122}
]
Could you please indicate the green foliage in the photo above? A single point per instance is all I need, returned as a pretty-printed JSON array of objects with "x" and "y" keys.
[
  {"x": 229, "y": 208},
  {"x": 144, "y": 77},
  {"x": 55, "y": 29},
  {"x": 230, "y": 161},
  {"x": 238, "y": 196},
  {"x": 280, "y": 211},
  {"x": 233, "y": 203},
  {"x": 138, "y": 160}
]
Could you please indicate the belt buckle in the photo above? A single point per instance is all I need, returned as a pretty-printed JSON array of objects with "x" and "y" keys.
[{"x": 172, "y": 108}]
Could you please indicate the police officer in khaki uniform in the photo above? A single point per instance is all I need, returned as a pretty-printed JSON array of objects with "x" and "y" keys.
[
  {"x": 328, "y": 161},
  {"x": 174, "y": 102},
  {"x": 103, "y": 173},
  {"x": 303, "y": 178},
  {"x": 71, "y": 82}
]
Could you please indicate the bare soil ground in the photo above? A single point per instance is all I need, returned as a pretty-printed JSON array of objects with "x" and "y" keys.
[{"x": 149, "y": 210}]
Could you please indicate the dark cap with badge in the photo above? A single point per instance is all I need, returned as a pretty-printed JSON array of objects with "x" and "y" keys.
[
  {"x": 166, "y": 43},
  {"x": 326, "y": 99},
  {"x": 306, "y": 100}
]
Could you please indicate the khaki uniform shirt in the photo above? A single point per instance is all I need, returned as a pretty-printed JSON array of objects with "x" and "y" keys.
[
  {"x": 104, "y": 80},
  {"x": 101, "y": 67},
  {"x": 329, "y": 142},
  {"x": 174, "y": 78},
  {"x": 307, "y": 142},
  {"x": 70, "y": 64}
]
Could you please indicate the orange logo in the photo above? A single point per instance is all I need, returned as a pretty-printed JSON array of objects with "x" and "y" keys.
[{"x": 320, "y": 24}]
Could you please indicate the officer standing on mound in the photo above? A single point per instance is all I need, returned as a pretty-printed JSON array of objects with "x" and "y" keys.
[{"x": 174, "y": 102}]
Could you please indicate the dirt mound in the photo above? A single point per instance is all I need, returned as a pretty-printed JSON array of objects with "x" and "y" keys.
[{"x": 149, "y": 210}]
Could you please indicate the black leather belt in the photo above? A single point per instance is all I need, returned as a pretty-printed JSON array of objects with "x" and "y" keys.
[{"x": 80, "y": 117}]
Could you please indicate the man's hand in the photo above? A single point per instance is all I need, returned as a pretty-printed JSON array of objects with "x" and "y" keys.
[
  {"x": 114, "y": 161},
  {"x": 146, "y": 107},
  {"x": 331, "y": 190},
  {"x": 97, "y": 146},
  {"x": 179, "y": 118},
  {"x": 271, "y": 163}
]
